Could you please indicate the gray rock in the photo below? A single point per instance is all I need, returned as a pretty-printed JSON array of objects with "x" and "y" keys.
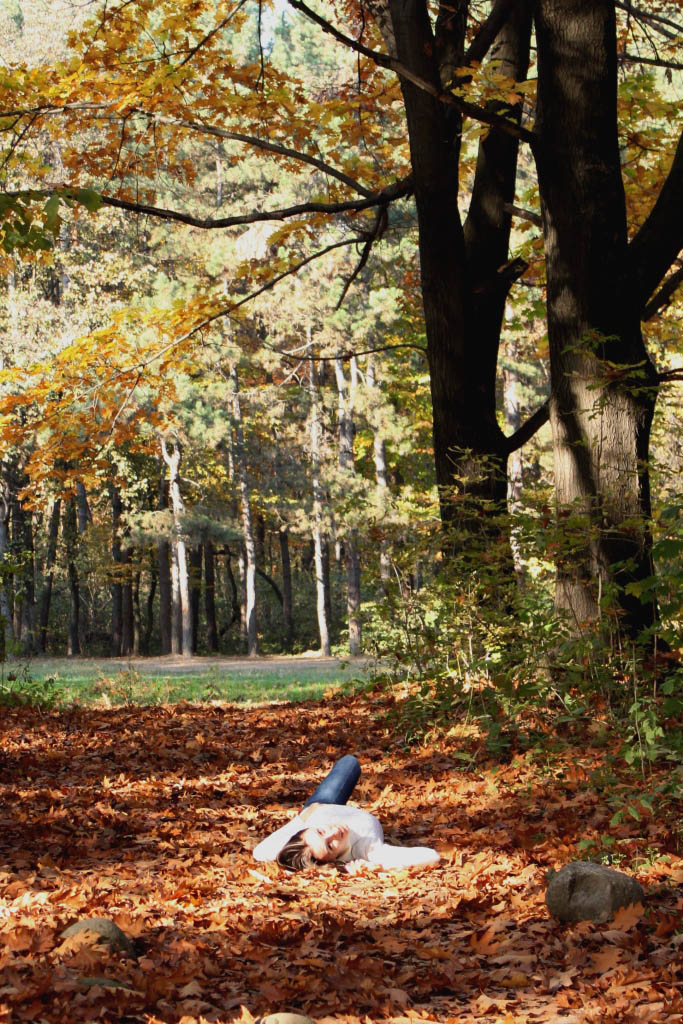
[
  {"x": 584, "y": 891},
  {"x": 108, "y": 933}
]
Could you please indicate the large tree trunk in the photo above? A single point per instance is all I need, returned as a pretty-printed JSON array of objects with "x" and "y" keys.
[
  {"x": 48, "y": 574},
  {"x": 464, "y": 272},
  {"x": 239, "y": 462},
  {"x": 603, "y": 383}
]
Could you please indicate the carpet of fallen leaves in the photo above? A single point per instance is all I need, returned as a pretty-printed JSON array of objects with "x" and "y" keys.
[{"x": 148, "y": 817}]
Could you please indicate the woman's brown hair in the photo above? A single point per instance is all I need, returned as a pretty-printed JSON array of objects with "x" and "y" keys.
[{"x": 295, "y": 855}]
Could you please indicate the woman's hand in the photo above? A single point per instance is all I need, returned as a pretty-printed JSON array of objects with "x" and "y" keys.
[{"x": 360, "y": 867}]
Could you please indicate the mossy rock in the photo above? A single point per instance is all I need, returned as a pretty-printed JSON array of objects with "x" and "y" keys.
[{"x": 108, "y": 934}]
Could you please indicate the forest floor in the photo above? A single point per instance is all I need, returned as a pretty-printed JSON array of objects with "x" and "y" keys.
[
  {"x": 171, "y": 678},
  {"x": 147, "y": 816}
]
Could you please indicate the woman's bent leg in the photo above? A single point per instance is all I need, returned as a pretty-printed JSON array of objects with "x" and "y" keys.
[{"x": 337, "y": 786}]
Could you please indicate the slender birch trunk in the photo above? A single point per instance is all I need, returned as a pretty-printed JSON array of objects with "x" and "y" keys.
[
  {"x": 240, "y": 467},
  {"x": 346, "y": 399},
  {"x": 322, "y": 601},
  {"x": 179, "y": 573}
]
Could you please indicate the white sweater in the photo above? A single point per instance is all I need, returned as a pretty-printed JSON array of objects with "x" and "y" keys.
[{"x": 365, "y": 835}]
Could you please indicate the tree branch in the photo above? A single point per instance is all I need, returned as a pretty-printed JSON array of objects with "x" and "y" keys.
[
  {"x": 444, "y": 96},
  {"x": 663, "y": 296},
  {"x": 197, "y": 126},
  {"x": 518, "y": 211},
  {"x": 634, "y": 58},
  {"x": 528, "y": 429},
  {"x": 656, "y": 20},
  {"x": 657, "y": 243},
  {"x": 481, "y": 44}
]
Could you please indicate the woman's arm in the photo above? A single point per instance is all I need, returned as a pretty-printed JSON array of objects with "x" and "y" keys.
[{"x": 383, "y": 856}]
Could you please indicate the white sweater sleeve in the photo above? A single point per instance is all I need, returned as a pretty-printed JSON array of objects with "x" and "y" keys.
[{"x": 389, "y": 857}]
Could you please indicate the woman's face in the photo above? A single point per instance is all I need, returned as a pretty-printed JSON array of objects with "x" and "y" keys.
[{"x": 327, "y": 843}]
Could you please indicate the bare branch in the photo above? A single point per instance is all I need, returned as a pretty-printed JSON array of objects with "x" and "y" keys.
[
  {"x": 212, "y": 33},
  {"x": 663, "y": 296},
  {"x": 518, "y": 211},
  {"x": 528, "y": 429},
  {"x": 656, "y": 20},
  {"x": 198, "y": 126},
  {"x": 634, "y": 58},
  {"x": 378, "y": 230},
  {"x": 444, "y": 96}
]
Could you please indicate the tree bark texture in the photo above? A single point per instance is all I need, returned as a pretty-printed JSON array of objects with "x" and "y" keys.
[{"x": 603, "y": 383}]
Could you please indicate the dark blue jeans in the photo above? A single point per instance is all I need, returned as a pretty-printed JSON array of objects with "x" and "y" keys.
[{"x": 337, "y": 786}]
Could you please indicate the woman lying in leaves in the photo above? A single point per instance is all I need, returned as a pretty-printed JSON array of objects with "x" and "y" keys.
[{"x": 328, "y": 830}]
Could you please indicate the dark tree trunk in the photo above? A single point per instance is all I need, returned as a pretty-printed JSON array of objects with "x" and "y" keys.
[
  {"x": 463, "y": 286},
  {"x": 6, "y": 625},
  {"x": 48, "y": 574},
  {"x": 146, "y": 639},
  {"x": 195, "y": 570},
  {"x": 137, "y": 615},
  {"x": 210, "y": 596},
  {"x": 128, "y": 628},
  {"x": 70, "y": 529},
  {"x": 25, "y": 597},
  {"x": 117, "y": 570},
  {"x": 288, "y": 640},
  {"x": 603, "y": 382}
]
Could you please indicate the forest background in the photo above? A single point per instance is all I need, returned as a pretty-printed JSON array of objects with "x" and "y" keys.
[
  {"x": 350, "y": 328},
  {"x": 284, "y": 329}
]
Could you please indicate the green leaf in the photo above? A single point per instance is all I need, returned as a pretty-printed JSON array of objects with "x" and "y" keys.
[{"x": 89, "y": 198}]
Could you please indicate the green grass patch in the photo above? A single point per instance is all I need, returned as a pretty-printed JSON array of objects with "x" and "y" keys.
[{"x": 63, "y": 682}]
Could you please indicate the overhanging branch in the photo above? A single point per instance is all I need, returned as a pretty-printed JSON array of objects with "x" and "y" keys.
[{"x": 528, "y": 429}]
